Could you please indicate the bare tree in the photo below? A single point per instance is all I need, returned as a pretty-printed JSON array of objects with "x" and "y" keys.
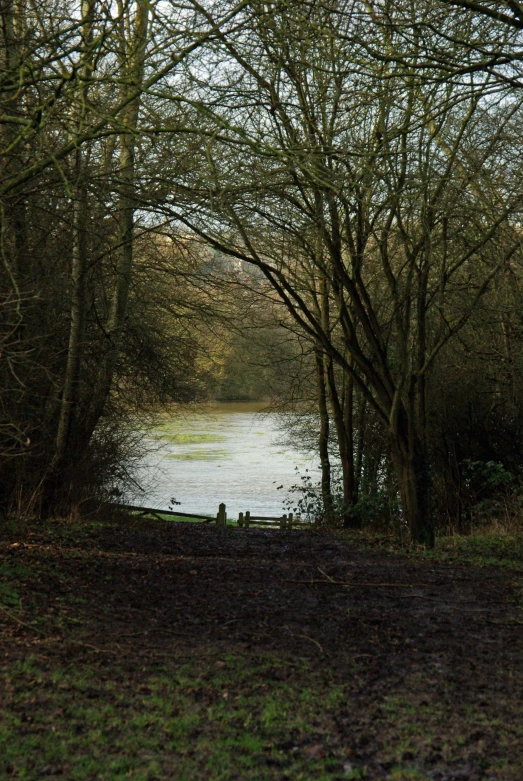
[
  {"x": 71, "y": 116},
  {"x": 397, "y": 176}
]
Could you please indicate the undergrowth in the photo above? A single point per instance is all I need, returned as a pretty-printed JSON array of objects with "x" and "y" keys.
[{"x": 484, "y": 547}]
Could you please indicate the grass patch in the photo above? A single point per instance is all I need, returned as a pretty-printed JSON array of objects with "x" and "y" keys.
[
  {"x": 217, "y": 720},
  {"x": 483, "y": 548},
  {"x": 174, "y": 519},
  {"x": 254, "y": 719},
  {"x": 10, "y": 572}
]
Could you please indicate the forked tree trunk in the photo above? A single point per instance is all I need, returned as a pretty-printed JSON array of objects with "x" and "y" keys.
[
  {"x": 70, "y": 392},
  {"x": 53, "y": 482}
]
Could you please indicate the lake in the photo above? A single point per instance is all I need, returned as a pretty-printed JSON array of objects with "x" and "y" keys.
[{"x": 229, "y": 452}]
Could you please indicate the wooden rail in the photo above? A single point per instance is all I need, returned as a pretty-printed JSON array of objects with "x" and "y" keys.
[
  {"x": 157, "y": 513},
  {"x": 245, "y": 521}
]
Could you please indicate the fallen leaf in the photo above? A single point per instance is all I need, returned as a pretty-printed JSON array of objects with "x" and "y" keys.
[{"x": 315, "y": 751}]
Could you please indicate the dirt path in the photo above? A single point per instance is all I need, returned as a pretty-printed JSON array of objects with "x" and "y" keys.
[{"x": 426, "y": 657}]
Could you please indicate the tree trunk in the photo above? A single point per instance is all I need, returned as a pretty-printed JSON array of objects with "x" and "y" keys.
[
  {"x": 70, "y": 393},
  {"x": 133, "y": 56},
  {"x": 348, "y": 420},
  {"x": 323, "y": 439},
  {"x": 13, "y": 211},
  {"x": 413, "y": 475},
  {"x": 342, "y": 415}
]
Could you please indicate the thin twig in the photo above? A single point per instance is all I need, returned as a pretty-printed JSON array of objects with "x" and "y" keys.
[
  {"x": 332, "y": 582},
  {"x": 95, "y": 648},
  {"x": 14, "y": 618},
  {"x": 327, "y": 576},
  {"x": 312, "y": 640}
]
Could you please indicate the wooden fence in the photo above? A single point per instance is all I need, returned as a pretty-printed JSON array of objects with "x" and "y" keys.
[
  {"x": 171, "y": 513},
  {"x": 280, "y": 521},
  {"x": 245, "y": 520}
]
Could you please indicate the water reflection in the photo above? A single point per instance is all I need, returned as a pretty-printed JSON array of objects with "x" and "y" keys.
[{"x": 229, "y": 453}]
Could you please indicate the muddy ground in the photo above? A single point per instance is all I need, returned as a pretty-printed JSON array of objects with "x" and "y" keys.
[{"x": 426, "y": 656}]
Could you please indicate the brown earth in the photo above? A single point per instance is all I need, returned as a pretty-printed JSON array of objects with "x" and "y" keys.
[{"x": 424, "y": 649}]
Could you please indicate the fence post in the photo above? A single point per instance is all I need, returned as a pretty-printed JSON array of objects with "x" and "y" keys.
[
  {"x": 289, "y": 520},
  {"x": 247, "y": 519},
  {"x": 221, "y": 518},
  {"x": 283, "y": 522},
  {"x": 240, "y": 519}
]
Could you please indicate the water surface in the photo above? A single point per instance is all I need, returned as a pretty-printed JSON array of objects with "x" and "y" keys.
[{"x": 230, "y": 453}]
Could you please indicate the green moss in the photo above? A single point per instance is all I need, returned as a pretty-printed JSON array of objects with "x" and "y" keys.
[{"x": 184, "y": 438}]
